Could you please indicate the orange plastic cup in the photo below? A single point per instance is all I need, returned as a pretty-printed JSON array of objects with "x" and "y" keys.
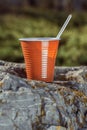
[{"x": 40, "y": 55}]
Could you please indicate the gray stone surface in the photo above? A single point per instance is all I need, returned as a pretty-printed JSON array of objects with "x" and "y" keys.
[{"x": 36, "y": 105}]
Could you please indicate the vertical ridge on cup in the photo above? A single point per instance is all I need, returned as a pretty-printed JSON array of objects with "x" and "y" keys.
[{"x": 27, "y": 57}]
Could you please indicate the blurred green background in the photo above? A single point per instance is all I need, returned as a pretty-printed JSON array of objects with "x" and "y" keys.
[{"x": 32, "y": 18}]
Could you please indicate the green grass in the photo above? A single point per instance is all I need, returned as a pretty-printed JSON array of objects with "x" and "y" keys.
[{"x": 36, "y": 23}]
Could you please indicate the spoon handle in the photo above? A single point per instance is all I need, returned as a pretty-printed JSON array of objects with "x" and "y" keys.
[{"x": 64, "y": 26}]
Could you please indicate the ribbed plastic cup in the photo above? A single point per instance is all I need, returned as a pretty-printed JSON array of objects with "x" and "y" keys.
[{"x": 40, "y": 55}]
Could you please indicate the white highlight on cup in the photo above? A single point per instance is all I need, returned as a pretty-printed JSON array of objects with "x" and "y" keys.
[{"x": 45, "y": 45}]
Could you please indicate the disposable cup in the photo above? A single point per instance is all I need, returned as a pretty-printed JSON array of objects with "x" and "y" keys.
[{"x": 40, "y": 55}]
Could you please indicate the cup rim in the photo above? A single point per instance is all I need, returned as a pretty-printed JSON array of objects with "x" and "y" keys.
[{"x": 39, "y": 39}]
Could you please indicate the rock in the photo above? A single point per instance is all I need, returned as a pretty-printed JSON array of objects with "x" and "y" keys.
[
  {"x": 56, "y": 128},
  {"x": 36, "y": 105},
  {"x": 78, "y": 74},
  {"x": 72, "y": 77},
  {"x": 13, "y": 68},
  {"x": 12, "y": 82}
]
